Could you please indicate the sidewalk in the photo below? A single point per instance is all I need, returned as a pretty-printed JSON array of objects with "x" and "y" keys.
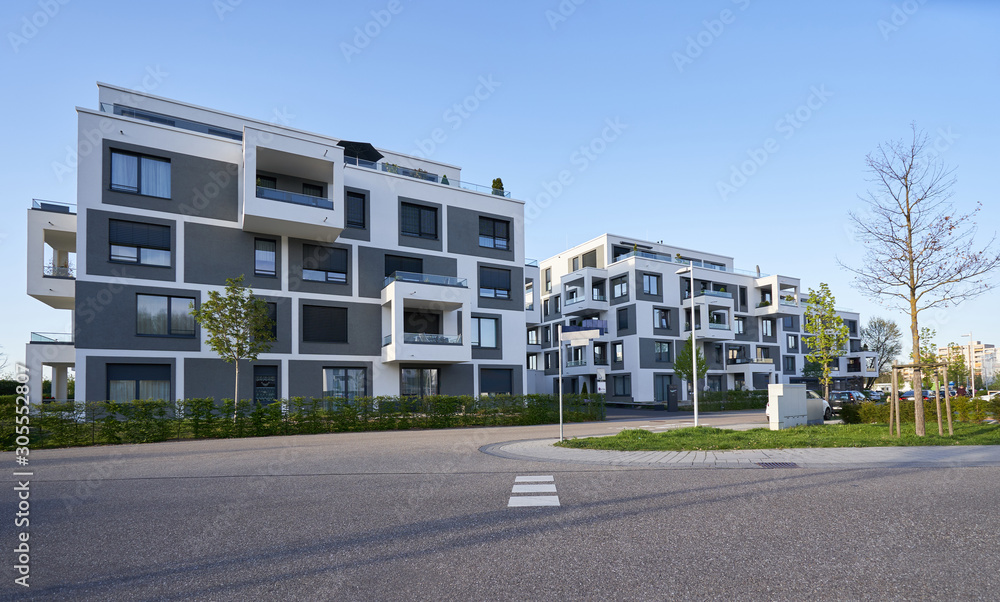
[{"x": 543, "y": 450}]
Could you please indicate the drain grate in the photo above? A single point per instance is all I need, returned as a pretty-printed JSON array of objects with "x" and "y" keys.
[{"x": 777, "y": 464}]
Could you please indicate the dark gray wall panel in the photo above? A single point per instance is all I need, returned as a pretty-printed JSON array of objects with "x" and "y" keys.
[
  {"x": 647, "y": 354},
  {"x": 516, "y": 301},
  {"x": 516, "y": 378},
  {"x": 97, "y": 373},
  {"x": 463, "y": 234},
  {"x": 106, "y": 318},
  {"x": 212, "y": 377},
  {"x": 295, "y": 266},
  {"x": 305, "y": 377},
  {"x": 415, "y": 241},
  {"x": 198, "y": 186},
  {"x": 641, "y": 296},
  {"x": 457, "y": 379},
  {"x": 371, "y": 268},
  {"x": 675, "y": 320},
  {"x": 631, "y": 329},
  {"x": 212, "y": 254},
  {"x": 99, "y": 248},
  {"x": 364, "y": 234},
  {"x": 364, "y": 330}
]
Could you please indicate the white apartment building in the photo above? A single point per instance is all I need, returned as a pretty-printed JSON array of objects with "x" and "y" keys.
[
  {"x": 385, "y": 274},
  {"x": 748, "y": 325},
  {"x": 984, "y": 358}
]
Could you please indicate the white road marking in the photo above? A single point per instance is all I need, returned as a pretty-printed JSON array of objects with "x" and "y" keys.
[
  {"x": 546, "y": 488},
  {"x": 536, "y": 479},
  {"x": 533, "y": 500}
]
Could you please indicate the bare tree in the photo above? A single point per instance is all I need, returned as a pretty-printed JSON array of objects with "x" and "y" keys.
[
  {"x": 884, "y": 338},
  {"x": 919, "y": 252}
]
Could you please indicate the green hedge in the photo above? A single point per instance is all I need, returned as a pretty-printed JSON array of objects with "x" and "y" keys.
[
  {"x": 963, "y": 409},
  {"x": 107, "y": 422}
]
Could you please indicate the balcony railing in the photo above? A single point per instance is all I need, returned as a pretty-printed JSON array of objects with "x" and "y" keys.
[
  {"x": 788, "y": 302},
  {"x": 575, "y": 363},
  {"x": 718, "y": 326},
  {"x": 426, "y": 176},
  {"x": 751, "y": 360},
  {"x": 62, "y": 338},
  {"x": 598, "y": 297},
  {"x": 53, "y": 206},
  {"x": 685, "y": 262},
  {"x": 53, "y": 271},
  {"x": 284, "y": 196},
  {"x": 426, "y": 279},
  {"x": 531, "y": 263},
  {"x": 387, "y": 340},
  {"x": 719, "y": 294},
  {"x": 424, "y": 338},
  {"x": 575, "y": 300},
  {"x": 601, "y": 325}
]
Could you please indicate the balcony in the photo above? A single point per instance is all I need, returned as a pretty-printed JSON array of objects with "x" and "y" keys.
[
  {"x": 443, "y": 304},
  {"x": 420, "y": 174},
  {"x": 295, "y": 198},
  {"x": 576, "y": 363},
  {"x": 54, "y": 350},
  {"x": 582, "y": 304},
  {"x": 57, "y": 338},
  {"x": 52, "y": 253},
  {"x": 426, "y": 279}
]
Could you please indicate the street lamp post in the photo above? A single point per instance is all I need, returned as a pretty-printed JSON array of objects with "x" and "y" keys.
[
  {"x": 694, "y": 347},
  {"x": 972, "y": 366}
]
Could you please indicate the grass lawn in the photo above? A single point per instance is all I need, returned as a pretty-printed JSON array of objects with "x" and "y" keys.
[{"x": 830, "y": 435}]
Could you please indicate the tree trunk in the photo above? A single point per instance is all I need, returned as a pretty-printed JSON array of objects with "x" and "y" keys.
[
  {"x": 236, "y": 393},
  {"x": 918, "y": 383}
]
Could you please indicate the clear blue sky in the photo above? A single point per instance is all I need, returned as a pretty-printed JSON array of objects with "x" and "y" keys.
[{"x": 556, "y": 81}]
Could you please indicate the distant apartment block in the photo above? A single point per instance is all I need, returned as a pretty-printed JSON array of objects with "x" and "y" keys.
[
  {"x": 983, "y": 357},
  {"x": 748, "y": 325},
  {"x": 384, "y": 274}
]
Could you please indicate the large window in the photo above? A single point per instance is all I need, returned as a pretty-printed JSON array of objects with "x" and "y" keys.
[
  {"x": 419, "y": 382},
  {"x": 494, "y": 283},
  {"x": 590, "y": 259},
  {"x": 651, "y": 284},
  {"x": 740, "y": 325},
  {"x": 767, "y": 327},
  {"x": 789, "y": 363},
  {"x": 662, "y": 351},
  {"x": 128, "y": 382},
  {"x": 397, "y": 263},
  {"x": 345, "y": 383},
  {"x": 532, "y": 361},
  {"x": 619, "y": 351},
  {"x": 164, "y": 316},
  {"x": 533, "y": 336},
  {"x": 312, "y": 190},
  {"x": 619, "y": 287},
  {"x": 496, "y": 381},
  {"x": 265, "y": 254},
  {"x": 494, "y": 233},
  {"x": 144, "y": 244},
  {"x": 661, "y": 387},
  {"x": 622, "y": 385},
  {"x": 324, "y": 324},
  {"x": 661, "y": 318},
  {"x": 793, "y": 342},
  {"x": 623, "y": 318},
  {"x": 141, "y": 174},
  {"x": 485, "y": 331},
  {"x": 355, "y": 203},
  {"x": 419, "y": 221},
  {"x": 324, "y": 264}
]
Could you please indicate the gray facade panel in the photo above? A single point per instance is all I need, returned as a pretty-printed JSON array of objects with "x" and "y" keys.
[
  {"x": 212, "y": 254},
  {"x": 647, "y": 355},
  {"x": 516, "y": 301},
  {"x": 463, "y": 234},
  {"x": 750, "y": 332},
  {"x": 97, "y": 373},
  {"x": 285, "y": 330},
  {"x": 106, "y": 318},
  {"x": 457, "y": 379},
  {"x": 99, "y": 248},
  {"x": 489, "y": 353},
  {"x": 212, "y": 377},
  {"x": 430, "y": 244},
  {"x": 610, "y": 292},
  {"x": 516, "y": 378},
  {"x": 297, "y": 262},
  {"x": 363, "y": 234},
  {"x": 640, "y": 295},
  {"x": 774, "y": 331},
  {"x": 371, "y": 268},
  {"x": 305, "y": 377},
  {"x": 631, "y": 328},
  {"x": 674, "y": 329},
  {"x": 364, "y": 330},
  {"x": 198, "y": 186},
  {"x": 715, "y": 356}
]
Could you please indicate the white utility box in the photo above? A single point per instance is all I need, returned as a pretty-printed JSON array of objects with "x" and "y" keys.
[{"x": 787, "y": 407}]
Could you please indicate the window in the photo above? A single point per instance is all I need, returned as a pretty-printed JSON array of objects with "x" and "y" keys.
[
  {"x": 324, "y": 264},
  {"x": 661, "y": 318},
  {"x": 141, "y": 174},
  {"x": 793, "y": 342},
  {"x": 270, "y": 182},
  {"x": 264, "y": 257},
  {"x": 355, "y": 203},
  {"x": 576, "y": 264},
  {"x": 545, "y": 335},
  {"x": 494, "y": 233},
  {"x": 324, "y": 324},
  {"x": 763, "y": 353},
  {"x": 419, "y": 221},
  {"x": 419, "y": 382},
  {"x": 164, "y": 316},
  {"x": 600, "y": 355},
  {"x": 622, "y": 385},
  {"x": 265, "y": 384},
  {"x": 548, "y": 361},
  {"x": 421, "y": 321},
  {"x": 623, "y": 318},
  {"x": 651, "y": 284},
  {"x": 533, "y": 337},
  {"x": 143, "y": 244},
  {"x": 767, "y": 326},
  {"x": 556, "y": 303},
  {"x": 788, "y": 322},
  {"x": 718, "y": 354},
  {"x": 619, "y": 286},
  {"x": 128, "y": 382},
  {"x": 548, "y": 279},
  {"x": 396, "y": 263},
  {"x": 484, "y": 332},
  {"x": 740, "y": 325},
  {"x": 662, "y": 351},
  {"x": 496, "y": 381},
  {"x": 345, "y": 383},
  {"x": 532, "y": 361},
  {"x": 312, "y": 190},
  {"x": 590, "y": 259},
  {"x": 789, "y": 363},
  {"x": 494, "y": 283},
  {"x": 661, "y": 387},
  {"x": 529, "y": 296},
  {"x": 545, "y": 307},
  {"x": 619, "y": 351},
  {"x": 272, "y": 315}
]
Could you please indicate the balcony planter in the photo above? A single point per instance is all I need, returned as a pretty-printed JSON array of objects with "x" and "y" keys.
[{"x": 498, "y": 186}]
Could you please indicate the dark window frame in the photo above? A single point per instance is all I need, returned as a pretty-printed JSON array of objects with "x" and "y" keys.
[
  {"x": 655, "y": 280},
  {"x": 170, "y": 318},
  {"x": 616, "y": 282},
  {"x": 421, "y": 210},
  {"x": 333, "y": 276},
  {"x": 499, "y": 275},
  {"x": 139, "y": 248},
  {"x": 477, "y": 332},
  {"x": 491, "y": 239},
  {"x": 343, "y": 370},
  {"x": 137, "y": 189},
  {"x": 257, "y": 271},
  {"x": 622, "y": 322},
  {"x": 310, "y": 335},
  {"x": 661, "y": 318},
  {"x": 660, "y": 354},
  {"x": 351, "y": 217}
]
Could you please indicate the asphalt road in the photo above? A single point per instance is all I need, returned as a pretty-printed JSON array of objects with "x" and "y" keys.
[{"x": 424, "y": 516}]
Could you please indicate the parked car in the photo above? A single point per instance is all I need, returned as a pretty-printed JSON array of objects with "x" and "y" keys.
[
  {"x": 839, "y": 398},
  {"x": 827, "y": 410},
  {"x": 873, "y": 394},
  {"x": 908, "y": 395}
]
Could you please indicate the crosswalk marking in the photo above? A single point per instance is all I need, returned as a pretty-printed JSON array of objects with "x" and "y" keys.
[{"x": 533, "y": 484}]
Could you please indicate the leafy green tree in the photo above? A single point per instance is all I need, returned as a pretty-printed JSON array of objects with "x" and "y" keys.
[
  {"x": 958, "y": 368},
  {"x": 812, "y": 370},
  {"x": 826, "y": 332},
  {"x": 927, "y": 355},
  {"x": 682, "y": 363},
  {"x": 884, "y": 338},
  {"x": 237, "y": 325}
]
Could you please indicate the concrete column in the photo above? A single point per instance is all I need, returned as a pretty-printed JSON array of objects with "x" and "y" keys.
[{"x": 59, "y": 382}]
